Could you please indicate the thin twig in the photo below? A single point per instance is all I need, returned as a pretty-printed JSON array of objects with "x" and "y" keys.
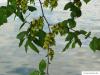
[
  {"x": 44, "y": 15},
  {"x": 48, "y": 59}
]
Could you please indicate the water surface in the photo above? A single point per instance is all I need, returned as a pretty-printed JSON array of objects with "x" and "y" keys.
[{"x": 14, "y": 60}]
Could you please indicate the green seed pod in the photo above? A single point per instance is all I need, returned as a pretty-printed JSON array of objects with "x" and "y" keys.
[
  {"x": 24, "y": 5},
  {"x": 51, "y": 53},
  {"x": 46, "y": 3},
  {"x": 18, "y": 2}
]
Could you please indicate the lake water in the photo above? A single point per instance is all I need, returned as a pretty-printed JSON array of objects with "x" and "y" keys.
[{"x": 14, "y": 60}]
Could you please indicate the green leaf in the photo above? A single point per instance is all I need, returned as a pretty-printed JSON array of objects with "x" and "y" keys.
[
  {"x": 69, "y": 36},
  {"x": 32, "y": 46},
  {"x": 76, "y": 33},
  {"x": 3, "y": 15},
  {"x": 67, "y": 46},
  {"x": 71, "y": 23},
  {"x": 95, "y": 44},
  {"x": 41, "y": 38},
  {"x": 78, "y": 3},
  {"x": 88, "y": 35},
  {"x": 22, "y": 25},
  {"x": 3, "y": 19},
  {"x": 64, "y": 23},
  {"x": 35, "y": 73},
  {"x": 79, "y": 42},
  {"x": 21, "y": 42},
  {"x": 26, "y": 46},
  {"x": 42, "y": 73},
  {"x": 76, "y": 12},
  {"x": 13, "y": 4},
  {"x": 68, "y": 5},
  {"x": 42, "y": 65},
  {"x": 86, "y": 1},
  {"x": 10, "y": 10},
  {"x": 38, "y": 42},
  {"x": 83, "y": 32},
  {"x": 21, "y": 35},
  {"x": 31, "y": 8},
  {"x": 73, "y": 44},
  {"x": 20, "y": 15}
]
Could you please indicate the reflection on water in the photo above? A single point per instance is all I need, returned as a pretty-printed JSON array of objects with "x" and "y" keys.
[{"x": 14, "y": 60}]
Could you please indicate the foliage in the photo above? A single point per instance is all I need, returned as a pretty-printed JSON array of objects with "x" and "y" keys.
[
  {"x": 42, "y": 67},
  {"x": 35, "y": 35},
  {"x": 95, "y": 44}
]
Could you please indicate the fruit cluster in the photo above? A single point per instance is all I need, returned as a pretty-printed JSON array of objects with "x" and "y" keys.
[
  {"x": 36, "y": 25},
  {"x": 22, "y": 4},
  {"x": 49, "y": 40}
]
